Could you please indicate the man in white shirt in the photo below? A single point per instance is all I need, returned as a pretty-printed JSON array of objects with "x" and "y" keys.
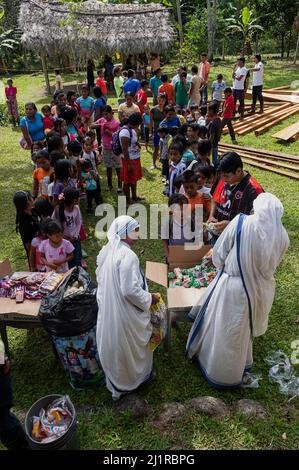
[
  {"x": 177, "y": 77},
  {"x": 257, "y": 83},
  {"x": 239, "y": 76}
]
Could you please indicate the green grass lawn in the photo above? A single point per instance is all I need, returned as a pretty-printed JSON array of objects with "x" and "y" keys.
[{"x": 36, "y": 372}]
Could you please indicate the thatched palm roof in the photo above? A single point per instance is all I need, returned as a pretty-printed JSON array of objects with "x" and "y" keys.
[{"x": 91, "y": 28}]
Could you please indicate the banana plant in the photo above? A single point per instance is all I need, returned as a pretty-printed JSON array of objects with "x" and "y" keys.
[
  {"x": 5, "y": 41},
  {"x": 244, "y": 23}
]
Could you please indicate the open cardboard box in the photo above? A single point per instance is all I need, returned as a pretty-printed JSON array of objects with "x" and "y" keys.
[
  {"x": 178, "y": 298},
  {"x": 9, "y": 306}
]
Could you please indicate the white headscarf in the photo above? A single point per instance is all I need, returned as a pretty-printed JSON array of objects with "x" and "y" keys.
[
  {"x": 120, "y": 229},
  {"x": 266, "y": 219}
]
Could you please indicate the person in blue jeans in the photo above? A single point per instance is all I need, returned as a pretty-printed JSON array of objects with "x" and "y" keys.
[{"x": 12, "y": 434}]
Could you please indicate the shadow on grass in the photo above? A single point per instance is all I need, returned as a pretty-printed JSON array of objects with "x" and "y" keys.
[{"x": 148, "y": 175}]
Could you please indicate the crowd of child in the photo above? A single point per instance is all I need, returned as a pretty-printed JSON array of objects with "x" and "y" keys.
[{"x": 80, "y": 132}]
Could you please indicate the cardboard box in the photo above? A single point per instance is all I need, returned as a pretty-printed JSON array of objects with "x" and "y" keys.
[
  {"x": 28, "y": 308},
  {"x": 178, "y": 298}
]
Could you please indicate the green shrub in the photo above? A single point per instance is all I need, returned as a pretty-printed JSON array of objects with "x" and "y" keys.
[{"x": 4, "y": 117}]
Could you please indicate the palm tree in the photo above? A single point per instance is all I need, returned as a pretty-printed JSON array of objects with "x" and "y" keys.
[{"x": 244, "y": 23}]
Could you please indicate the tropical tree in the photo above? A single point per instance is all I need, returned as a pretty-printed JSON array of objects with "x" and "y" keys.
[
  {"x": 296, "y": 29},
  {"x": 245, "y": 24},
  {"x": 211, "y": 9},
  {"x": 6, "y": 42}
]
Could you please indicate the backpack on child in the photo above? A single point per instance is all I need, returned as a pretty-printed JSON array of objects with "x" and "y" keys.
[{"x": 115, "y": 142}]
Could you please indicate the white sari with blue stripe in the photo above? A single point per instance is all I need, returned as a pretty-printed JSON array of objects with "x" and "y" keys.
[{"x": 236, "y": 305}]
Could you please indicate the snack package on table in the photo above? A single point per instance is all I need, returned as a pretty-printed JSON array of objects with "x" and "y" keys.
[
  {"x": 159, "y": 323},
  {"x": 200, "y": 275},
  {"x": 51, "y": 282}
]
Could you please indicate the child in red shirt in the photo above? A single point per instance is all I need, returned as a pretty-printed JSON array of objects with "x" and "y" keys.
[
  {"x": 228, "y": 112},
  {"x": 141, "y": 96},
  {"x": 48, "y": 120},
  {"x": 101, "y": 83}
]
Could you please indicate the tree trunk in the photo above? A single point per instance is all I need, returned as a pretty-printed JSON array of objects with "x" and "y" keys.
[
  {"x": 46, "y": 74},
  {"x": 4, "y": 66},
  {"x": 282, "y": 46},
  {"x": 289, "y": 44},
  {"x": 297, "y": 50},
  {"x": 25, "y": 58},
  {"x": 223, "y": 49},
  {"x": 179, "y": 15},
  {"x": 211, "y": 7},
  {"x": 256, "y": 41}
]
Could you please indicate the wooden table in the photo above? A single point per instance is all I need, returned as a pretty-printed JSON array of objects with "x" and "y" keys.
[{"x": 23, "y": 316}]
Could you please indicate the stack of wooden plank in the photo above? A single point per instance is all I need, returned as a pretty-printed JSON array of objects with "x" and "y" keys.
[
  {"x": 283, "y": 87},
  {"x": 260, "y": 123},
  {"x": 277, "y": 95},
  {"x": 288, "y": 133},
  {"x": 276, "y": 162}
]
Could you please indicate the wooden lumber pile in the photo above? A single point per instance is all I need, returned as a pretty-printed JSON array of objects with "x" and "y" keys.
[
  {"x": 262, "y": 122},
  {"x": 276, "y": 119},
  {"x": 263, "y": 153},
  {"x": 284, "y": 92},
  {"x": 269, "y": 96},
  {"x": 284, "y": 87},
  {"x": 288, "y": 133},
  {"x": 275, "y": 162}
]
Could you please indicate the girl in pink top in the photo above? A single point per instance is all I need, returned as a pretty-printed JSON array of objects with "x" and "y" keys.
[
  {"x": 11, "y": 101},
  {"x": 56, "y": 252},
  {"x": 108, "y": 126}
]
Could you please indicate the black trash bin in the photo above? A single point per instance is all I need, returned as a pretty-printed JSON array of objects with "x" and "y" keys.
[{"x": 69, "y": 440}]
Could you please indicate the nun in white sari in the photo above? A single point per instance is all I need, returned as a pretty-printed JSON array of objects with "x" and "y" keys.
[
  {"x": 123, "y": 328},
  {"x": 237, "y": 303}
]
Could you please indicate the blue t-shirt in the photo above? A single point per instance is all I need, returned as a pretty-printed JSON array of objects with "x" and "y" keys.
[
  {"x": 59, "y": 186},
  {"x": 154, "y": 85},
  {"x": 175, "y": 122},
  {"x": 91, "y": 183},
  {"x": 72, "y": 129},
  {"x": 85, "y": 103},
  {"x": 35, "y": 128},
  {"x": 132, "y": 85},
  {"x": 99, "y": 103},
  {"x": 147, "y": 120}
]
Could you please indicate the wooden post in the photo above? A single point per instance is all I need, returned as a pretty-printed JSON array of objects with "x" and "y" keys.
[{"x": 46, "y": 74}]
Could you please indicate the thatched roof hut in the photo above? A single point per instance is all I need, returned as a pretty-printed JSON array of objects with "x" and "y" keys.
[{"x": 92, "y": 28}]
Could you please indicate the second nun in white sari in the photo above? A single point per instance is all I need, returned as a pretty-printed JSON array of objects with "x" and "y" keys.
[
  {"x": 123, "y": 328},
  {"x": 237, "y": 303}
]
